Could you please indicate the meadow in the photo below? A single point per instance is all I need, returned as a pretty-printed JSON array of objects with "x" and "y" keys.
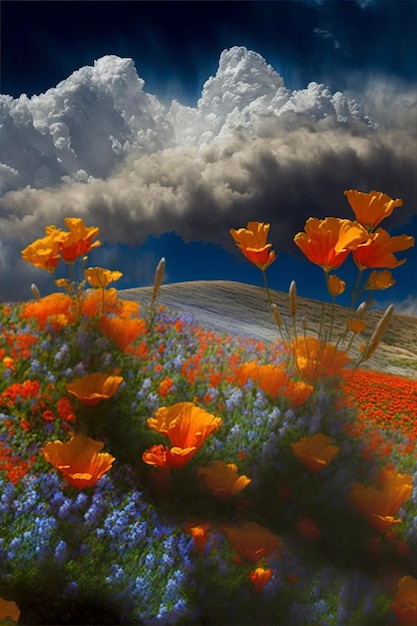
[{"x": 156, "y": 472}]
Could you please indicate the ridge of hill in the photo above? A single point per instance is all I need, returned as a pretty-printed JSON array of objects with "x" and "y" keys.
[{"x": 242, "y": 310}]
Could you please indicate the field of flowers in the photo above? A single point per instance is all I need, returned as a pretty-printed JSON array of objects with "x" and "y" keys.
[{"x": 154, "y": 472}]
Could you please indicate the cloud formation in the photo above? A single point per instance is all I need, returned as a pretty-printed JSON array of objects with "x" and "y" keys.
[{"x": 98, "y": 146}]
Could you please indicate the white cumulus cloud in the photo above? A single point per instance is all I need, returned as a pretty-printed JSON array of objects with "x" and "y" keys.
[{"x": 100, "y": 147}]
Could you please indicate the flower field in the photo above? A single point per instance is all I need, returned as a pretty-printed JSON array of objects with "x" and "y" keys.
[{"x": 155, "y": 472}]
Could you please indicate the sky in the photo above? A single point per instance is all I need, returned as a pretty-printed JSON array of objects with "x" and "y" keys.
[{"x": 168, "y": 123}]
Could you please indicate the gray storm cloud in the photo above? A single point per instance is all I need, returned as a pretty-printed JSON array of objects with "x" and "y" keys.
[{"x": 99, "y": 147}]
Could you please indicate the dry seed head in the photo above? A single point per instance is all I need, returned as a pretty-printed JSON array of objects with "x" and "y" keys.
[
  {"x": 35, "y": 291},
  {"x": 293, "y": 298},
  {"x": 304, "y": 322},
  {"x": 361, "y": 310},
  {"x": 159, "y": 275},
  {"x": 277, "y": 316},
  {"x": 378, "y": 332}
]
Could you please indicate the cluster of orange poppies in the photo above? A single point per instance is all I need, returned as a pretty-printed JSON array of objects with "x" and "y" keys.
[{"x": 327, "y": 243}]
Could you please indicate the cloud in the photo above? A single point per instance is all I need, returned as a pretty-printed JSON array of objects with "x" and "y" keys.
[{"x": 98, "y": 146}]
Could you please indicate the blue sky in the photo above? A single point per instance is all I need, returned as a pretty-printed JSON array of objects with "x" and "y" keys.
[{"x": 366, "y": 50}]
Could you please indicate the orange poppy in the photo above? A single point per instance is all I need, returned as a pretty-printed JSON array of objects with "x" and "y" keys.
[
  {"x": 185, "y": 424},
  {"x": 42, "y": 253},
  {"x": 163, "y": 457},
  {"x": 335, "y": 285},
  {"x": 92, "y": 388},
  {"x": 9, "y": 609},
  {"x": 316, "y": 359},
  {"x": 371, "y": 208},
  {"x": 199, "y": 534},
  {"x": 222, "y": 479},
  {"x": 252, "y": 243},
  {"x": 252, "y": 541},
  {"x": 380, "y": 505},
  {"x": 378, "y": 252},
  {"x": 379, "y": 280},
  {"x": 100, "y": 277},
  {"x": 124, "y": 332},
  {"x": 49, "y": 306},
  {"x": 314, "y": 452},
  {"x": 80, "y": 460},
  {"x": 271, "y": 379},
  {"x": 260, "y": 577},
  {"x": 78, "y": 241},
  {"x": 328, "y": 242},
  {"x": 405, "y": 601}
]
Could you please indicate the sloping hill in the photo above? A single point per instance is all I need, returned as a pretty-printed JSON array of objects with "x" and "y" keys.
[{"x": 242, "y": 310}]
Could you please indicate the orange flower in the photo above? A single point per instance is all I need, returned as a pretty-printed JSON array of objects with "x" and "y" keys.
[
  {"x": 80, "y": 460},
  {"x": 314, "y": 452},
  {"x": 260, "y": 577},
  {"x": 252, "y": 243},
  {"x": 222, "y": 479},
  {"x": 42, "y": 253},
  {"x": 78, "y": 241},
  {"x": 335, "y": 285},
  {"x": 378, "y": 252},
  {"x": 9, "y": 609},
  {"x": 356, "y": 326},
  {"x": 124, "y": 332},
  {"x": 371, "y": 208},
  {"x": 92, "y": 388},
  {"x": 100, "y": 277},
  {"x": 379, "y": 280},
  {"x": 52, "y": 305},
  {"x": 405, "y": 601},
  {"x": 316, "y": 359},
  {"x": 298, "y": 392},
  {"x": 199, "y": 534},
  {"x": 328, "y": 242},
  {"x": 270, "y": 378},
  {"x": 380, "y": 505},
  {"x": 185, "y": 424},
  {"x": 252, "y": 541}
]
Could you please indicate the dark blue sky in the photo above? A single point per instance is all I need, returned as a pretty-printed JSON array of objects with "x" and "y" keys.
[{"x": 176, "y": 47}]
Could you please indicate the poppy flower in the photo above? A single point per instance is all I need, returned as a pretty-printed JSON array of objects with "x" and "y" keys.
[
  {"x": 379, "y": 280},
  {"x": 371, "y": 208},
  {"x": 316, "y": 359},
  {"x": 124, "y": 332},
  {"x": 185, "y": 424},
  {"x": 297, "y": 393},
  {"x": 328, "y": 242},
  {"x": 356, "y": 326},
  {"x": 92, "y": 388},
  {"x": 78, "y": 241},
  {"x": 405, "y": 601},
  {"x": 163, "y": 457},
  {"x": 260, "y": 577},
  {"x": 42, "y": 253},
  {"x": 271, "y": 378},
  {"x": 9, "y": 609},
  {"x": 48, "y": 306},
  {"x": 100, "y": 277},
  {"x": 315, "y": 452},
  {"x": 80, "y": 460},
  {"x": 378, "y": 252},
  {"x": 335, "y": 285},
  {"x": 380, "y": 505},
  {"x": 252, "y": 243},
  {"x": 222, "y": 479},
  {"x": 252, "y": 541},
  {"x": 199, "y": 534}
]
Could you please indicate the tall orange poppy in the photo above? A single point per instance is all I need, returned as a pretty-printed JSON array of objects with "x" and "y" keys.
[
  {"x": 316, "y": 359},
  {"x": 252, "y": 541},
  {"x": 371, "y": 208},
  {"x": 378, "y": 252},
  {"x": 78, "y": 241},
  {"x": 80, "y": 460},
  {"x": 42, "y": 253},
  {"x": 328, "y": 242},
  {"x": 251, "y": 241},
  {"x": 222, "y": 479},
  {"x": 405, "y": 601}
]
